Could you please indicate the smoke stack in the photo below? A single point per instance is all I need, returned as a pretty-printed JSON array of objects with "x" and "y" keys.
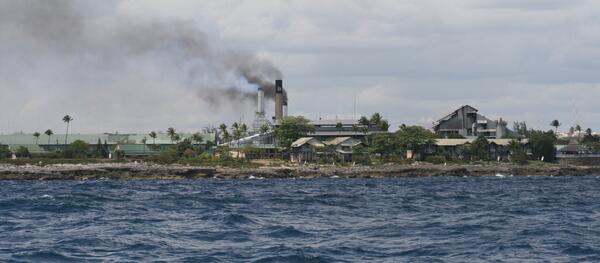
[
  {"x": 285, "y": 108},
  {"x": 279, "y": 100},
  {"x": 260, "y": 105}
]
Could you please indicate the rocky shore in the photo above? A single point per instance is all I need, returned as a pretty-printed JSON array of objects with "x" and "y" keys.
[{"x": 145, "y": 171}]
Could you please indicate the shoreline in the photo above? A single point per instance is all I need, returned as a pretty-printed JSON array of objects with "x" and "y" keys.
[{"x": 148, "y": 171}]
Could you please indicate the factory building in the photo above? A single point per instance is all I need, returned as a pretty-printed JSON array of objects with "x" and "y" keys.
[
  {"x": 467, "y": 122},
  {"x": 128, "y": 144}
]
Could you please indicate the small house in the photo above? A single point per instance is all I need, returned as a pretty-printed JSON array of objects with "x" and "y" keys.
[{"x": 305, "y": 149}]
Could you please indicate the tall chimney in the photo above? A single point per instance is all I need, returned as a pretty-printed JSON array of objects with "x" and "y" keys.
[
  {"x": 278, "y": 100},
  {"x": 285, "y": 108},
  {"x": 260, "y": 105}
]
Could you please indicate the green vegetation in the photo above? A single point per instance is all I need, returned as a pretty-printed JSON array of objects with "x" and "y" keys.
[
  {"x": 478, "y": 150},
  {"x": 67, "y": 119},
  {"x": 49, "y": 133},
  {"x": 4, "y": 151},
  {"x": 543, "y": 145},
  {"x": 292, "y": 128},
  {"x": 77, "y": 150},
  {"x": 555, "y": 124}
]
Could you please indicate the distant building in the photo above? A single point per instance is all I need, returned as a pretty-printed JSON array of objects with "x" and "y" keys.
[
  {"x": 128, "y": 144},
  {"x": 305, "y": 149},
  {"x": 327, "y": 129},
  {"x": 343, "y": 147},
  {"x": 456, "y": 148},
  {"x": 577, "y": 154},
  {"x": 467, "y": 122}
]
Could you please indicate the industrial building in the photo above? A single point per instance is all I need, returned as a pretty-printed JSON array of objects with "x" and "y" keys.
[
  {"x": 128, "y": 144},
  {"x": 468, "y": 123}
]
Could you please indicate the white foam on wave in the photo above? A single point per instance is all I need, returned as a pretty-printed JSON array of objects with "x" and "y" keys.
[{"x": 48, "y": 197}]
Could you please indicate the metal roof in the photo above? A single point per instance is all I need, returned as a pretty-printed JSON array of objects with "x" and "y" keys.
[
  {"x": 456, "y": 142},
  {"x": 343, "y": 140},
  {"x": 310, "y": 140}
]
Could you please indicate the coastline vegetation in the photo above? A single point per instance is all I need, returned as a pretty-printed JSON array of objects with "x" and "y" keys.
[{"x": 407, "y": 145}]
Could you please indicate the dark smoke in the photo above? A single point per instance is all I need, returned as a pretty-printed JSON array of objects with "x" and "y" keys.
[{"x": 78, "y": 32}]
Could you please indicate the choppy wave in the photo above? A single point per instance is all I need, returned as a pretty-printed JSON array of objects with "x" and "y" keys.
[{"x": 450, "y": 219}]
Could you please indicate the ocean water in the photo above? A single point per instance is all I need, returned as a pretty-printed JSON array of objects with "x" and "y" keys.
[{"x": 433, "y": 219}]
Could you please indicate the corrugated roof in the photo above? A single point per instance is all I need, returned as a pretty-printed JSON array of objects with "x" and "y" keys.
[
  {"x": 336, "y": 140},
  {"x": 343, "y": 140},
  {"x": 136, "y": 149},
  {"x": 456, "y": 142},
  {"x": 32, "y": 148},
  {"x": 310, "y": 140},
  {"x": 452, "y": 142}
]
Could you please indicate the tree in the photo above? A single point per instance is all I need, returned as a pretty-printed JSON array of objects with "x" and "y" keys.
[
  {"x": 376, "y": 119},
  {"x": 152, "y": 135},
  {"x": 384, "y": 145},
  {"x": 517, "y": 153},
  {"x": 339, "y": 126},
  {"x": 171, "y": 132},
  {"x": 578, "y": 129},
  {"x": 479, "y": 149},
  {"x": 197, "y": 137},
  {"x": 177, "y": 137},
  {"x": 555, "y": 124},
  {"x": 77, "y": 149},
  {"x": 414, "y": 137},
  {"x": 236, "y": 131},
  {"x": 224, "y": 133},
  {"x": 264, "y": 128},
  {"x": 521, "y": 128},
  {"x": 4, "y": 151},
  {"x": 37, "y": 136},
  {"x": 22, "y": 152},
  {"x": 588, "y": 132},
  {"x": 542, "y": 145},
  {"x": 365, "y": 125},
  {"x": 244, "y": 129},
  {"x": 67, "y": 119},
  {"x": 49, "y": 133},
  {"x": 384, "y": 125},
  {"x": 292, "y": 128}
]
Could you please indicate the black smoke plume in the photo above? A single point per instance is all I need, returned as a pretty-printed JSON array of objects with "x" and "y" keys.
[{"x": 90, "y": 36}]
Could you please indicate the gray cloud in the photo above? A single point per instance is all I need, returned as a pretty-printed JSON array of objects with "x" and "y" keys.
[{"x": 411, "y": 60}]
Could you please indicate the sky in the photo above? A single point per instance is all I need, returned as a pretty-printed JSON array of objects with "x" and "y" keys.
[{"x": 143, "y": 65}]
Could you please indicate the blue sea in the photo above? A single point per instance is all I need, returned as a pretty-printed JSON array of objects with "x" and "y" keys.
[{"x": 431, "y": 219}]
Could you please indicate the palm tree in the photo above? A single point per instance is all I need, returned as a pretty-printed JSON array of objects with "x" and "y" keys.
[
  {"x": 264, "y": 128},
  {"x": 152, "y": 135},
  {"x": 578, "y": 129},
  {"x": 339, "y": 126},
  {"x": 384, "y": 125},
  {"x": 365, "y": 125},
  {"x": 555, "y": 124},
  {"x": 244, "y": 129},
  {"x": 236, "y": 131},
  {"x": 224, "y": 132},
  {"x": 49, "y": 133},
  {"x": 197, "y": 137},
  {"x": 171, "y": 132},
  {"x": 376, "y": 119},
  {"x": 37, "y": 136},
  {"x": 67, "y": 119}
]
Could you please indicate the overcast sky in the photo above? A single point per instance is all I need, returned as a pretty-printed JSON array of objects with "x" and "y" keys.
[{"x": 136, "y": 66}]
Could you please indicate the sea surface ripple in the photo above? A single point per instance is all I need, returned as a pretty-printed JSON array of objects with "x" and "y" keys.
[{"x": 433, "y": 219}]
